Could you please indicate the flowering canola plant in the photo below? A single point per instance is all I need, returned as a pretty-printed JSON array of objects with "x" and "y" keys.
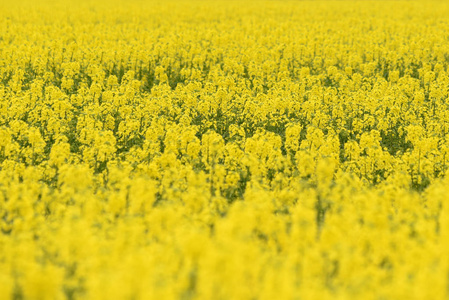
[{"x": 224, "y": 150}]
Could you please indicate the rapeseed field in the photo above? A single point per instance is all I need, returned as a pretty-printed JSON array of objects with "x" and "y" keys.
[{"x": 224, "y": 150}]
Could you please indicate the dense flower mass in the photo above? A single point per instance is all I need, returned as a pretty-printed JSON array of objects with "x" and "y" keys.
[{"x": 224, "y": 150}]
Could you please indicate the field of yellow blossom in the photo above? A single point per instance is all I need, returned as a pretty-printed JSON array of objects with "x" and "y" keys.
[{"x": 217, "y": 150}]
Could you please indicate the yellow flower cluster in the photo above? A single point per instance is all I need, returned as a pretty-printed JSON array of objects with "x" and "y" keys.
[{"x": 224, "y": 150}]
